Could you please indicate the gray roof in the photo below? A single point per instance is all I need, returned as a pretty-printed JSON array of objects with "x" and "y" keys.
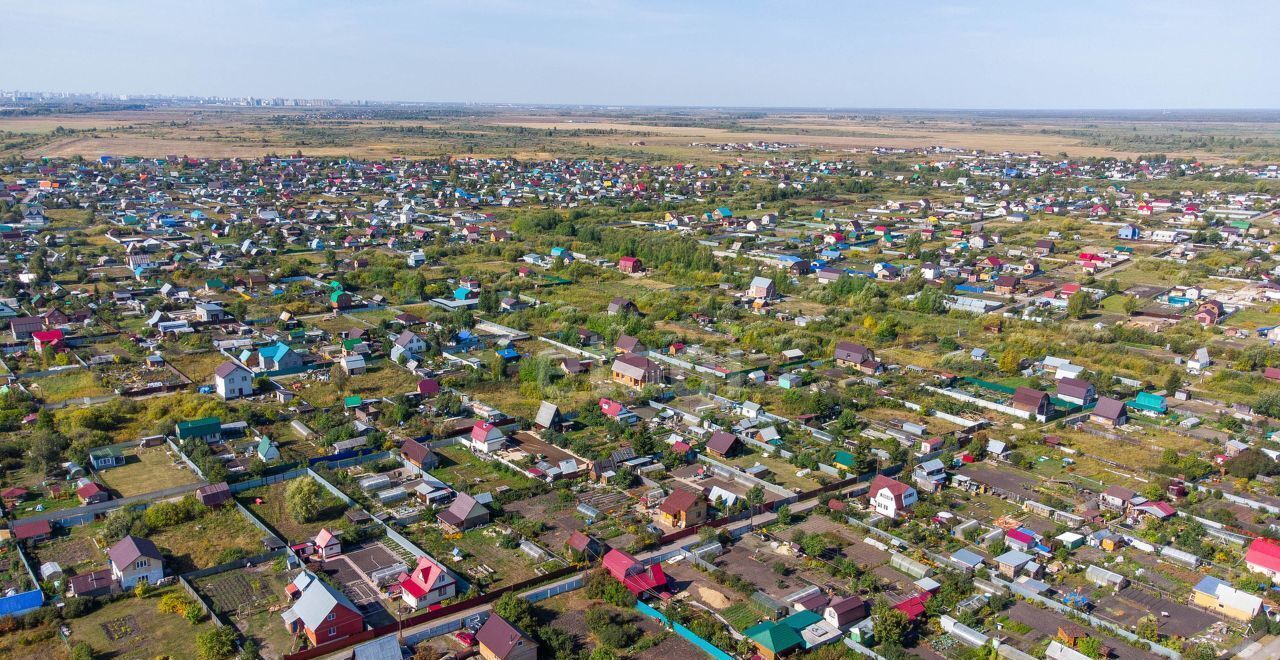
[
  {"x": 548, "y": 414},
  {"x": 130, "y": 548},
  {"x": 382, "y": 648},
  {"x": 317, "y": 601}
]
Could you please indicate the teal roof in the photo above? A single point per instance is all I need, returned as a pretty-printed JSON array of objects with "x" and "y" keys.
[
  {"x": 198, "y": 428},
  {"x": 1149, "y": 401},
  {"x": 274, "y": 352},
  {"x": 774, "y": 637},
  {"x": 353, "y": 401},
  {"x": 844, "y": 458},
  {"x": 801, "y": 620}
]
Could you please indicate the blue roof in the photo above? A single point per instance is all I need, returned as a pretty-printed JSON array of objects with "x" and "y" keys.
[
  {"x": 274, "y": 352},
  {"x": 967, "y": 557}
]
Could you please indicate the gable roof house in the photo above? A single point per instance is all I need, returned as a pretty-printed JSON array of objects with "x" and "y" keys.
[
  {"x": 890, "y": 497},
  {"x": 464, "y": 513},
  {"x": 486, "y": 437},
  {"x": 321, "y": 612},
  {"x": 1077, "y": 391},
  {"x": 1032, "y": 401},
  {"x": 636, "y": 371},
  {"x": 723, "y": 444},
  {"x": 683, "y": 508},
  {"x": 635, "y": 576},
  {"x": 498, "y": 639},
  {"x": 428, "y": 584},
  {"x": 1109, "y": 412},
  {"x": 232, "y": 381},
  {"x": 134, "y": 560},
  {"x": 850, "y": 354},
  {"x": 418, "y": 455},
  {"x": 1263, "y": 556}
]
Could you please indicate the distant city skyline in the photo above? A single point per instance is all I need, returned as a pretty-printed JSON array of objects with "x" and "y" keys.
[{"x": 996, "y": 54}]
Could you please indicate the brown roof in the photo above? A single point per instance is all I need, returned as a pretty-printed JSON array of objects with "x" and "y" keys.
[
  {"x": 1027, "y": 396},
  {"x": 415, "y": 451},
  {"x": 679, "y": 501},
  {"x": 500, "y": 637}
]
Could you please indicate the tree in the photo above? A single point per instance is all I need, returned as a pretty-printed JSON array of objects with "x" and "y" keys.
[
  {"x": 1079, "y": 304},
  {"x": 303, "y": 499},
  {"x": 1010, "y": 361},
  {"x": 1173, "y": 382},
  {"x": 46, "y": 449},
  {"x": 516, "y": 610},
  {"x": 890, "y": 626},
  {"x": 339, "y": 377},
  {"x": 1148, "y": 628},
  {"x": 1090, "y": 646},
  {"x": 81, "y": 651},
  {"x": 216, "y": 644},
  {"x": 1132, "y": 304}
]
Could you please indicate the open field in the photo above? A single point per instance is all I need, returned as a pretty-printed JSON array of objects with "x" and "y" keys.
[
  {"x": 147, "y": 470},
  {"x": 201, "y": 543},
  {"x": 227, "y": 132},
  {"x": 274, "y": 513},
  {"x": 133, "y": 628},
  {"x": 74, "y": 384}
]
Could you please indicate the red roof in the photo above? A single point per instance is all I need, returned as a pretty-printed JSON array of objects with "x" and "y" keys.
[
  {"x": 896, "y": 487},
  {"x": 32, "y": 529},
  {"x": 1264, "y": 553},
  {"x": 44, "y": 336},
  {"x": 634, "y": 575},
  {"x": 89, "y": 490},
  {"x": 610, "y": 407},
  {"x": 1020, "y": 536},
  {"x": 914, "y": 606}
]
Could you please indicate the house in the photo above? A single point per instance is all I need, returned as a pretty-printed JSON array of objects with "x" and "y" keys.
[
  {"x": 232, "y": 381},
  {"x": 584, "y": 545},
  {"x": 1150, "y": 403},
  {"x": 464, "y": 513},
  {"x": 636, "y": 371},
  {"x": 1209, "y": 312},
  {"x": 1129, "y": 232},
  {"x": 683, "y": 508},
  {"x": 135, "y": 560},
  {"x": 1217, "y": 596},
  {"x": 428, "y": 584},
  {"x": 762, "y": 288},
  {"x": 1109, "y": 412},
  {"x": 1012, "y": 562},
  {"x": 50, "y": 339},
  {"x": 548, "y": 417},
  {"x": 25, "y": 326},
  {"x": 1076, "y": 390},
  {"x": 106, "y": 457},
  {"x": 630, "y": 265},
  {"x": 428, "y": 387},
  {"x": 1031, "y": 400},
  {"x": 486, "y": 437},
  {"x": 418, "y": 454},
  {"x": 1263, "y": 556},
  {"x": 723, "y": 444},
  {"x": 497, "y": 639},
  {"x": 92, "y": 584},
  {"x": 849, "y": 354},
  {"x": 930, "y": 475},
  {"x": 32, "y": 531},
  {"x": 321, "y": 612},
  {"x": 890, "y": 497},
  {"x": 634, "y": 575},
  {"x": 1117, "y": 498},
  {"x": 844, "y": 612},
  {"x": 277, "y": 357},
  {"x": 621, "y": 306},
  {"x": 92, "y": 493},
  {"x": 629, "y": 344},
  {"x": 409, "y": 342},
  {"x": 572, "y": 366},
  {"x": 616, "y": 411},
  {"x": 774, "y": 639},
  {"x": 208, "y": 429},
  {"x": 214, "y": 495}
]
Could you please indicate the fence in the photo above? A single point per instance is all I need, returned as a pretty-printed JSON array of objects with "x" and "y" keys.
[
  {"x": 250, "y": 484},
  {"x": 706, "y": 647},
  {"x": 1094, "y": 621},
  {"x": 26, "y": 601},
  {"x": 184, "y": 458},
  {"x": 199, "y": 598},
  {"x": 427, "y": 617}
]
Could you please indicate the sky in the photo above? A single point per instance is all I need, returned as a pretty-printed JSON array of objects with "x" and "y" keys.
[{"x": 998, "y": 54}]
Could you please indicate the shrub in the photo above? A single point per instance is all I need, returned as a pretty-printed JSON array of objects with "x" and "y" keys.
[
  {"x": 81, "y": 651},
  {"x": 216, "y": 644}
]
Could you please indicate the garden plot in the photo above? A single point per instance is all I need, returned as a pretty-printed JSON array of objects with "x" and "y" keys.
[
  {"x": 268, "y": 503},
  {"x": 251, "y": 599},
  {"x": 215, "y": 538},
  {"x": 132, "y": 628}
]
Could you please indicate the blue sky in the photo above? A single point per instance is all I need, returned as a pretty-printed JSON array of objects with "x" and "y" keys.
[{"x": 774, "y": 53}]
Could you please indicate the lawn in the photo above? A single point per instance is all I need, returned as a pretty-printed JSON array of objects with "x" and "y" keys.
[
  {"x": 464, "y": 471},
  {"x": 485, "y": 565},
  {"x": 134, "y": 628},
  {"x": 198, "y": 543},
  {"x": 384, "y": 380},
  {"x": 1255, "y": 317},
  {"x": 196, "y": 366},
  {"x": 147, "y": 470},
  {"x": 784, "y": 473},
  {"x": 73, "y": 384},
  {"x": 273, "y": 512}
]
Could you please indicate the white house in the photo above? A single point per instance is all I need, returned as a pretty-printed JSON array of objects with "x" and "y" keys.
[
  {"x": 135, "y": 560},
  {"x": 232, "y": 380},
  {"x": 486, "y": 437},
  {"x": 890, "y": 497}
]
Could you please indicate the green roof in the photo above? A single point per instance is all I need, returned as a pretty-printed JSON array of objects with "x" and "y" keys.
[
  {"x": 801, "y": 620},
  {"x": 353, "y": 401},
  {"x": 1149, "y": 401},
  {"x": 843, "y": 458},
  {"x": 351, "y": 343},
  {"x": 333, "y": 297},
  {"x": 198, "y": 428},
  {"x": 774, "y": 637}
]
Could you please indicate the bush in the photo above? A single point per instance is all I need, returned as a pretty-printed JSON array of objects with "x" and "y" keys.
[
  {"x": 81, "y": 651},
  {"x": 216, "y": 644},
  {"x": 602, "y": 586},
  {"x": 75, "y": 608}
]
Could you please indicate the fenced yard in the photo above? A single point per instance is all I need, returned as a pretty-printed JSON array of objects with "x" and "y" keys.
[{"x": 146, "y": 470}]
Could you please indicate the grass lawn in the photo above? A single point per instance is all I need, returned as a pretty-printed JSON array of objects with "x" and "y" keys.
[
  {"x": 272, "y": 511},
  {"x": 196, "y": 544},
  {"x": 384, "y": 380},
  {"x": 134, "y": 628},
  {"x": 148, "y": 470},
  {"x": 1254, "y": 318},
  {"x": 484, "y": 564},
  {"x": 463, "y": 470},
  {"x": 73, "y": 384},
  {"x": 742, "y": 615},
  {"x": 196, "y": 366},
  {"x": 784, "y": 473}
]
